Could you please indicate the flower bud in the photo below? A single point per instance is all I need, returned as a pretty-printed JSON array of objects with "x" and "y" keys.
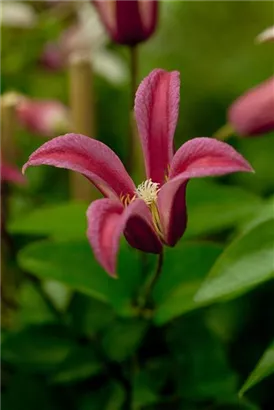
[
  {"x": 253, "y": 112},
  {"x": 9, "y": 173},
  {"x": 128, "y": 22},
  {"x": 44, "y": 117},
  {"x": 52, "y": 57}
]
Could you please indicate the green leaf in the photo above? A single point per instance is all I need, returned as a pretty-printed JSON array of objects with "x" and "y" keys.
[
  {"x": 37, "y": 348},
  {"x": 245, "y": 263},
  {"x": 33, "y": 308},
  {"x": 80, "y": 364},
  {"x": 264, "y": 213},
  {"x": 73, "y": 264},
  {"x": 90, "y": 316},
  {"x": 213, "y": 207},
  {"x": 183, "y": 271},
  {"x": 201, "y": 368},
  {"x": 108, "y": 397},
  {"x": 67, "y": 221},
  {"x": 123, "y": 338},
  {"x": 264, "y": 368}
]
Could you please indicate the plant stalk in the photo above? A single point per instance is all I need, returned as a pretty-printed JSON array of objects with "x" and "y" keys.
[
  {"x": 8, "y": 151},
  {"x": 83, "y": 117},
  {"x": 144, "y": 302},
  {"x": 135, "y": 165}
]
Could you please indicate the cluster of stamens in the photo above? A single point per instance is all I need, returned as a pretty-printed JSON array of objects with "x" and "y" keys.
[{"x": 148, "y": 191}]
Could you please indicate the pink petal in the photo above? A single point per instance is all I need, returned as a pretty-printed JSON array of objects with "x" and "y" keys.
[
  {"x": 90, "y": 157},
  {"x": 201, "y": 157},
  {"x": 107, "y": 219},
  {"x": 172, "y": 209},
  {"x": 156, "y": 110}
]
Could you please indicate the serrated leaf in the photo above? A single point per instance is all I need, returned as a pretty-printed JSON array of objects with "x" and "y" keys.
[
  {"x": 183, "y": 271},
  {"x": 264, "y": 368},
  {"x": 248, "y": 261}
]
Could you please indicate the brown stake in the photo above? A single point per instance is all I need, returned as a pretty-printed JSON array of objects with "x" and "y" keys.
[
  {"x": 8, "y": 153},
  {"x": 82, "y": 111}
]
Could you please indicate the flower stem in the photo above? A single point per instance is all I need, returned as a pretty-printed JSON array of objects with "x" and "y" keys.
[
  {"x": 224, "y": 132},
  {"x": 82, "y": 111},
  {"x": 135, "y": 165},
  {"x": 144, "y": 302}
]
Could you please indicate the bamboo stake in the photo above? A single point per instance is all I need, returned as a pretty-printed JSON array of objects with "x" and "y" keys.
[
  {"x": 8, "y": 153},
  {"x": 82, "y": 111}
]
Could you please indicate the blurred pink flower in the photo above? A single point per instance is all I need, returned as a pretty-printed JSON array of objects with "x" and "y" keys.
[
  {"x": 128, "y": 22},
  {"x": 10, "y": 173},
  {"x": 44, "y": 117},
  {"x": 88, "y": 38},
  {"x": 253, "y": 112},
  {"x": 154, "y": 213}
]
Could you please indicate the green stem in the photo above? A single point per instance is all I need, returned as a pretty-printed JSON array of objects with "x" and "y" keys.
[
  {"x": 145, "y": 298},
  {"x": 131, "y": 159},
  {"x": 224, "y": 132}
]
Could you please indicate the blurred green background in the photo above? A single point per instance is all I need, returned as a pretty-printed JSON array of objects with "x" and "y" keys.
[{"x": 70, "y": 336}]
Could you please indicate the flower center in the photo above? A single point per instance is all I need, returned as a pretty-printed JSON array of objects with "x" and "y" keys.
[{"x": 148, "y": 191}]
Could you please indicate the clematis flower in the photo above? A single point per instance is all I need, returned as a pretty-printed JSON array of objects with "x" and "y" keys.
[
  {"x": 152, "y": 214},
  {"x": 253, "y": 113},
  {"x": 10, "y": 173},
  {"x": 128, "y": 22},
  {"x": 87, "y": 37},
  {"x": 44, "y": 117}
]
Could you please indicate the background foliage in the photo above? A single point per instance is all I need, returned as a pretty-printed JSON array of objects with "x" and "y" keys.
[{"x": 74, "y": 338}]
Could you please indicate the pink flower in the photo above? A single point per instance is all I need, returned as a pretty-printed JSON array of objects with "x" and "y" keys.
[
  {"x": 44, "y": 117},
  {"x": 128, "y": 22},
  {"x": 11, "y": 174},
  {"x": 253, "y": 112},
  {"x": 154, "y": 213}
]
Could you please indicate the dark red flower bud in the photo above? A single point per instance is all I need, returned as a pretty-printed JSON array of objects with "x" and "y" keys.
[
  {"x": 128, "y": 22},
  {"x": 253, "y": 112}
]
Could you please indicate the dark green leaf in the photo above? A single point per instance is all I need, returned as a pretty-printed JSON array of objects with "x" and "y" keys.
[
  {"x": 108, "y": 397},
  {"x": 67, "y": 221},
  {"x": 81, "y": 363},
  {"x": 90, "y": 316},
  {"x": 213, "y": 207},
  {"x": 246, "y": 262},
  {"x": 200, "y": 367},
  {"x": 33, "y": 308},
  {"x": 264, "y": 368},
  {"x": 184, "y": 268},
  {"x": 123, "y": 338},
  {"x": 39, "y": 348},
  {"x": 73, "y": 264}
]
